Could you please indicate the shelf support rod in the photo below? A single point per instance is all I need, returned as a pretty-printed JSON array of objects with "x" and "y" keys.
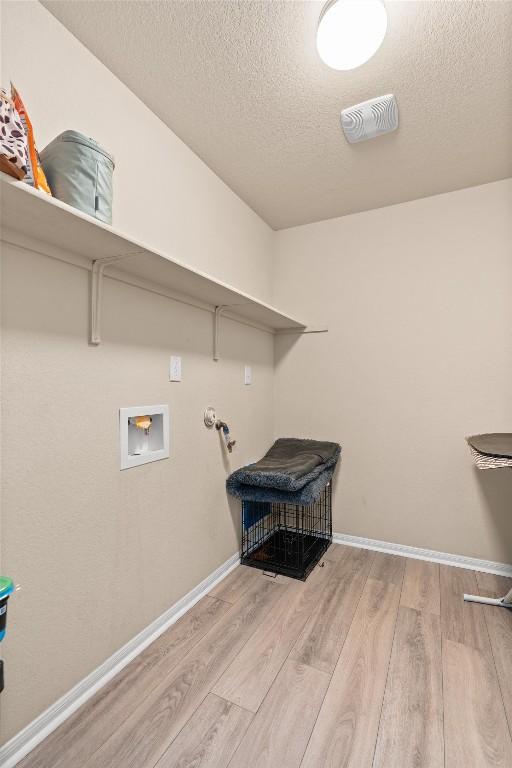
[
  {"x": 98, "y": 267},
  {"x": 216, "y": 318}
]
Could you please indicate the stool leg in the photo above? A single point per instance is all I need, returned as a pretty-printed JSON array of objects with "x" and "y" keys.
[{"x": 502, "y": 602}]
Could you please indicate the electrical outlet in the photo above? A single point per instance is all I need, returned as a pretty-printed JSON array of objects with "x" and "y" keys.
[
  {"x": 175, "y": 368},
  {"x": 248, "y": 374}
]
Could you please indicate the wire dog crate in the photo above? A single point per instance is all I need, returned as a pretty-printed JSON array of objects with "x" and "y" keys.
[{"x": 286, "y": 538}]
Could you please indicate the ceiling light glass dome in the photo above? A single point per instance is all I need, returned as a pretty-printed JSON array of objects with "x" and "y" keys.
[{"x": 350, "y": 32}]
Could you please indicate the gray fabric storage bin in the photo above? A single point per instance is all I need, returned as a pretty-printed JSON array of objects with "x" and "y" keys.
[{"x": 79, "y": 172}]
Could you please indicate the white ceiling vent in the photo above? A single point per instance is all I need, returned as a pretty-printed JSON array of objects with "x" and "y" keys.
[{"x": 370, "y": 118}]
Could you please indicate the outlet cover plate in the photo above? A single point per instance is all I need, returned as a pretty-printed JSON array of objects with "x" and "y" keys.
[{"x": 175, "y": 368}]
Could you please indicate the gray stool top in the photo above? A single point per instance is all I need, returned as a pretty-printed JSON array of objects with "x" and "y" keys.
[{"x": 496, "y": 444}]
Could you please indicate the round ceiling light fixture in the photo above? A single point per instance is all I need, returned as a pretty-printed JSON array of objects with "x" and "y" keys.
[{"x": 350, "y": 32}]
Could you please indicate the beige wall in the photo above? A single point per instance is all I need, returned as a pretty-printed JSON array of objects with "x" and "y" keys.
[
  {"x": 417, "y": 298},
  {"x": 100, "y": 553}
]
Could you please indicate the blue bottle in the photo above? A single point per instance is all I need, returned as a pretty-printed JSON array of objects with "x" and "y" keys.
[{"x": 6, "y": 588}]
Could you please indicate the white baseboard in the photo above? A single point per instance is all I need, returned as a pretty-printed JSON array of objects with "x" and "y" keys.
[
  {"x": 25, "y": 741},
  {"x": 459, "y": 561}
]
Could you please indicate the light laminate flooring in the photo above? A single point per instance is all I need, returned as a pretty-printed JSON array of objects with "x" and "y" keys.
[{"x": 374, "y": 662}]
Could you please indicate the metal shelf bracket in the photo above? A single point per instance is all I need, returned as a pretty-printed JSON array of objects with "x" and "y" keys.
[
  {"x": 216, "y": 318},
  {"x": 98, "y": 266}
]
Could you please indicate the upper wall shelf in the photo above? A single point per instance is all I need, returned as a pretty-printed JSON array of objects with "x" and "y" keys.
[{"x": 36, "y": 215}]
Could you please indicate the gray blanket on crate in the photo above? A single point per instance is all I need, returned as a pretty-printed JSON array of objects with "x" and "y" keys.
[{"x": 293, "y": 471}]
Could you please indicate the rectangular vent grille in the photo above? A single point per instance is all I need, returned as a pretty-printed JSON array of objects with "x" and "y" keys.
[{"x": 370, "y": 118}]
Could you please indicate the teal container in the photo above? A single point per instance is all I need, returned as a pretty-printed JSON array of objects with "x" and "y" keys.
[
  {"x": 6, "y": 589},
  {"x": 79, "y": 172}
]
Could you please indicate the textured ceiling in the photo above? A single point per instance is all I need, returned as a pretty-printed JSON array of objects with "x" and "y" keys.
[{"x": 241, "y": 83}]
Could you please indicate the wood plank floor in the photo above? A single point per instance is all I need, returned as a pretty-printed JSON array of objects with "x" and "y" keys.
[{"x": 374, "y": 662}]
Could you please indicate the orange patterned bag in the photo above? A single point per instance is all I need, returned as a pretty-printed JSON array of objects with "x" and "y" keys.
[
  {"x": 35, "y": 174},
  {"x": 13, "y": 141}
]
